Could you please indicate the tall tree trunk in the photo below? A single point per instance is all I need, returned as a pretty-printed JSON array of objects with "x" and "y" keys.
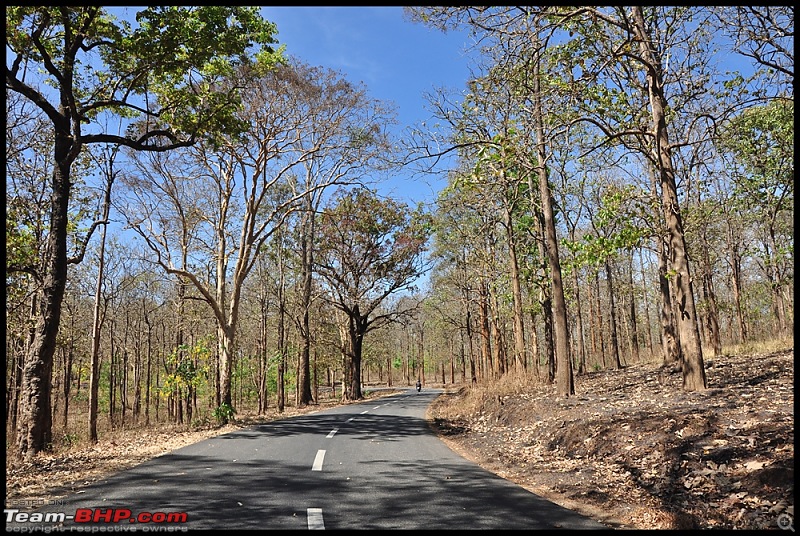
[
  {"x": 148, "y": 369},
  {"x": 600, "y": 327},
  {"x": 97, "y": 321},
  {"x": 612, "y": 316},
  {"x": 579, "y": 324},
  {"x": 670, "y": 345},
  {"x": 520, "y": 357},
  {"x": 225, "y": 335},
  {"x": 112, "y": 372},
  {"x": 356, "y": 331},
  {"x": 564, "y": 380},
  {"x": 307, "y": 252},
  {"x": 632, "y": 311},
  {"x": 712, "y": 315},
  {"x": 68, "y": 360},
  {"x": 498, "y": 361},
  {"x": 485, "y": 323},
  {"x": 472, "y": 374},
  {"x": 670, "y": 341},
  {"x": 35, "y": 423},
  {"x": 281, "y": 380},
  {"x": 549, "y": 347},
  {"x": 594, "y": 327},
  {"x": 94, "y": 360},
  {"x": 694, "y": 375},
  {"x": 648, "y": 328},
  {"x": 774, "y": 278},
  {"x": 535, "y": 355},
  {"x": 263, "y": 356},
  {"x": 735, "y": 262}
]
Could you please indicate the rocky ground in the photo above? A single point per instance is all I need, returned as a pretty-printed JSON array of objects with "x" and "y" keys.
[{"x": 630, "y": 449}]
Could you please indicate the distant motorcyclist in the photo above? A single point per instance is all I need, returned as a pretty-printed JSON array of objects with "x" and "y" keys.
[{"x": 419, "y": 385}]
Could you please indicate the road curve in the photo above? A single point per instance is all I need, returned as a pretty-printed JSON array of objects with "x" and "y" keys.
[{"x": 371, "y": 465}]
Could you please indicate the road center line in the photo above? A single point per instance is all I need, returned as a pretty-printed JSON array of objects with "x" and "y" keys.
[
  {"x": 332, "y": 433},
  {"x": 365, "y": 411},
  {"x": 318, "y": 461},
  {"x": 315, "y": 517}
]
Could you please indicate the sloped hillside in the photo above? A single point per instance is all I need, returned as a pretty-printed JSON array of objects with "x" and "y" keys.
[{"x": 634, "y": 450}]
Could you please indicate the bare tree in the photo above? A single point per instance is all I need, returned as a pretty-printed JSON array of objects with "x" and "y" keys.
[
  {"x": 371, "y": 249},
  {"x": 207, "y": 214}
]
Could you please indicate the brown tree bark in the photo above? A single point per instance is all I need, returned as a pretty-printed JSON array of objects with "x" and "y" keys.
[
  {"x": 520, "y": 353},
  {"x": 694, "y": 375},
  {"x": 632, "y": 312},
  {"x": 710, "y": 297},
  {"x": 484, "y": 322},
  {"x": 600, "y": 320},
  {"x": 579, "y": 324},
  {"x": 497, "y": 365},
  {"x": 307, "y": 259},
  {"x": 612, "y": 316},
  {"x": 564, "y": 379},
  {"x": 648, "y": 327}
]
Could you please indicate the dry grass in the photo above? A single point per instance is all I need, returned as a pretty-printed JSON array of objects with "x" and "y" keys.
[
  {"x": 759, "y": 347},
  {"x": 634, "y": 450}
]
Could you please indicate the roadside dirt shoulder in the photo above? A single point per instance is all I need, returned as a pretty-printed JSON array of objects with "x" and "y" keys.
[{"x": 633, "y": 450}]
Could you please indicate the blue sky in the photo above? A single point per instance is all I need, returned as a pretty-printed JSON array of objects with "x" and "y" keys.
[{"x": 397, "y": 60}]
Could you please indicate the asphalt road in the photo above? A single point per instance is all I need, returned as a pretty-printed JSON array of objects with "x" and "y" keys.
[{"x": 373, "y": 465}]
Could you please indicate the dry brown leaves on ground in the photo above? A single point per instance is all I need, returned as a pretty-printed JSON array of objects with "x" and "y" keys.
[{"x": 634, "y": 450}]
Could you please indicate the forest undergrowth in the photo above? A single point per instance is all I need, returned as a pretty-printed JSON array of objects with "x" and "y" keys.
[
  {"x": 633, "y": 450},
  {"x": 630, "y": 448}
]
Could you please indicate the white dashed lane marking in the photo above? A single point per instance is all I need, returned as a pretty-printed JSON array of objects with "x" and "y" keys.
[
  {"x": 318, "y": 461},
  {"x": 315, "y": 517}
]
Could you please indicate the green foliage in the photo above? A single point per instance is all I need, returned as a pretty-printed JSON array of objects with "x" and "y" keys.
[
  {"x": 21, "y": 244},
  {"x": 247, "y": 368},
  {"x": 70, "y": 440},
  {"x": 762, "y": 141},
  {"x": 224, "y": 413},
  {"x": 619, "y": 225},
  {"x": 174, "y": 57},
  {"x": 189, "y": 367}
]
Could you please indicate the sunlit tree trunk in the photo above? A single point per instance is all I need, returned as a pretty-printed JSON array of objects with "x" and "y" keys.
[
  {"x": 97, "y": 321},
  {"x": 520, "y": 354},
  {"x": 632, "y": 311},
  {"x": 612, "y": 316},
  {"x": 497, "y": 359},
  {"x": 646, "y": 300},
  {"x": 694, "y": 375},
  {"x": 307, "y": 258},
  {"x": 485, "y": 322},
  {"x": 564, "y": 379},
  {"x": 579, "y": 324}
]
